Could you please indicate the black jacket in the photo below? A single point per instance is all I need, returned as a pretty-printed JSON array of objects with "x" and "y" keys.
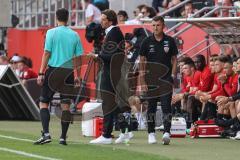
[{"x": 113, "y": 44}]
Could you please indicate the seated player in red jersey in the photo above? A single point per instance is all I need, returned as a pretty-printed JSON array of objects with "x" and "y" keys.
[
  {"x": 206, "y": 77},
  {"x": 193, "y": 105},
  {"x": 25, "y": 71},
  {"x": 191, "y": 79},
  {"x": 210, "y": 108},
  {"x": 208, "y": 74},
  {"x": 222, "y": 117},
  {"x": 230, "y": 86},
  {"x": 184, "y": 89},
  {"x": 219, "y": 64}
]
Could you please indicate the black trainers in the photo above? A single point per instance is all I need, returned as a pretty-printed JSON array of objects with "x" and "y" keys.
[
  {"x": 44, "y": 139},
  {"x": 228, "y": 133},
  {"x": 62, "y": 142}
]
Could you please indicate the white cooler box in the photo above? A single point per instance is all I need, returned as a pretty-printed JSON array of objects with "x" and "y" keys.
[
  {"x": 89, "y": 111},
  {"x": 178, "y": 128}
]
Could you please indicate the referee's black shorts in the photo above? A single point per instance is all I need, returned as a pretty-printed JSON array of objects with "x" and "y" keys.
[{"x": 59, "y": 80}]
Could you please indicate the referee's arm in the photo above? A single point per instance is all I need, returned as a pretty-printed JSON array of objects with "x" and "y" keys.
[
  {"x": 45, "y": 59},
  {"x": 44, "y": 63},
  {"x": 77, "y": 59},
  {"x": 47, "y": 51}
]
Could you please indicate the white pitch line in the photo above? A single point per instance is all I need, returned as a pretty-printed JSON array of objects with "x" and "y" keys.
[
  {"x": 26, "y": 154},
  {"x": 15, "y": 138},
  {"x": 29, "y": 140}
]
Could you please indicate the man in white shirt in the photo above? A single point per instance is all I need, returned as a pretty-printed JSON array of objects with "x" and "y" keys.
[
  {"x": 92, "y": 13},
  {"x": 111, "y": 74}
]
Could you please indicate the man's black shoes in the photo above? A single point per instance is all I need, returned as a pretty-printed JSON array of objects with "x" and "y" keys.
[
  {"x": 43, "y": 139},
  {"x": 62, "y": 142}
]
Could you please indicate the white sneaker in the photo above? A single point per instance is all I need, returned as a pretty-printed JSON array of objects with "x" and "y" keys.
[
  {"x": 101, "y": 140},
  {"x": 166, "y": 138},
  {"x": 121, "y": 139},
  {"x": 130, "y": 135},
  {"x": 237, "y": 137},
  {"x": 152, "y": 138}
]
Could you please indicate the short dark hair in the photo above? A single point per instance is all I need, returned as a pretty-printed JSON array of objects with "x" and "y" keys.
[
  {"x": 188, "y": 3},
  {"x": 123, "y": 13},
  {"x": 111, "y": 16},
  {"x": 62, "y": 14},
  {"x": 27, "y": 61},
  {"x": 229, "y": 61},
  {"x": 234, "y": 59},
  {"x": 223, "y": 58},
  {"x": 184, "y": 59},
  {"x": 201, "y": 58},
  {"x": 141, "y": 6},
  {"x": 190, "y": 63},
  {"x": 213, "y": 57},
  {"x": 152, "y": 12},
  {"x": 158, "y": 18}
]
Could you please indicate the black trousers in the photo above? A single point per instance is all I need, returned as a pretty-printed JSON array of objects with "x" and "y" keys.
[
  {"x": 166, "y": 109},
  {"x": 194, "y": 107},
  {"x": 111, "y": 110},
  {"x": 209, "y": 111}
]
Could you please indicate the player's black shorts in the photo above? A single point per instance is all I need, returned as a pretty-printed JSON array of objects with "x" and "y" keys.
[{"x": 58, "y": 80}]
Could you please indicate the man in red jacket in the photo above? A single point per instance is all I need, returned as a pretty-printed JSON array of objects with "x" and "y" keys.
[
  {"x": 25, "y": 72},
  {"x": 192, "y": 84},
  {"x": 184, "y": 80},
  {"x": 230, "y": 86},
  {"x": 191, "y": 80},
  {"x": 193, "y": 104},
  {"x": 206, "y": 77},
  {"x": 177, "y": 99},
  {"x": 210, "y": 108},
  {"x": 219, "y": 64}
]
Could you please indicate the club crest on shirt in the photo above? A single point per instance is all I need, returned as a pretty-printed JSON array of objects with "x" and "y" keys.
[
  {"x": 166, "y": 46},
  {"x": 166, "y": 49}
]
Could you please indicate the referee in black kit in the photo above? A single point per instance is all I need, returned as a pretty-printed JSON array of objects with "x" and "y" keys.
[
  {"x": 111, "y": 73},
  {"x": 158, "y": 49}
]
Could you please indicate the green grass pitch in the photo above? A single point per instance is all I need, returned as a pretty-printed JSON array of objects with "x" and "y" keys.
[{"x": 78, "y": 147}]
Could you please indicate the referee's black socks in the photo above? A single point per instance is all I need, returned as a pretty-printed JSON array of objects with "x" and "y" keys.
[
  {"x": 65, "y": 121},
  {"x": 45, "y": 118}
]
